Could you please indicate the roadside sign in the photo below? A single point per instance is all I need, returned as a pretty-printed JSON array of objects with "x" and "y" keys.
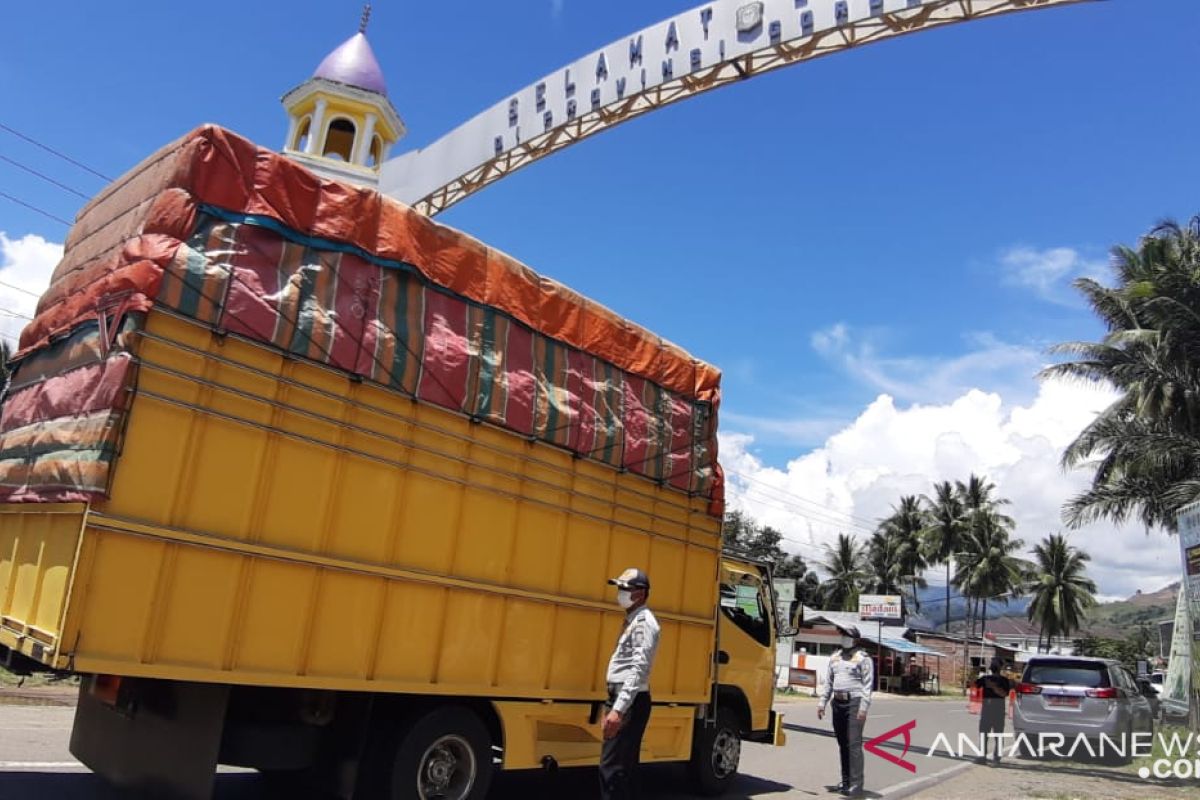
[{"x": 879, "y": 606}]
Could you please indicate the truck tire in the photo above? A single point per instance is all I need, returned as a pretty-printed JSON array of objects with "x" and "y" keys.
[
  {"x": 716, "y": 753},
  {"x": 445, "y": 754}
]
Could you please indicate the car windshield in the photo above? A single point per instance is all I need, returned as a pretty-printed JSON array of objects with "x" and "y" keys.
[{"x": 1068, "y": 673}]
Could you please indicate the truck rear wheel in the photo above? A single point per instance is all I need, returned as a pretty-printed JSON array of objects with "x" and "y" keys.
[
  {"x": 716, "y": 753},
  {"x": 444, "y": 755}
]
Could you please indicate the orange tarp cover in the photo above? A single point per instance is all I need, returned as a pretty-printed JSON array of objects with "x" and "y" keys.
[{"x": 210, "y": 165}]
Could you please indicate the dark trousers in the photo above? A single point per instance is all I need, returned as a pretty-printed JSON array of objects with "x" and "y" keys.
[
  {"x": 619, "y": 756},
  {"x": 991, "y": 720},
  {"x": 849, "y": 730}
]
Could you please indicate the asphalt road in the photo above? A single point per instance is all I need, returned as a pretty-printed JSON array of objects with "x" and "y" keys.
[{"x": 35, "y": 761}]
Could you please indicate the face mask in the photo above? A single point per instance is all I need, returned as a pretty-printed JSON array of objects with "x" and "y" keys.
[{"x": 624, "y": 598}]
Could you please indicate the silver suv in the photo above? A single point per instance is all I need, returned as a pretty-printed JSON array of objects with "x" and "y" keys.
[{"x": 1073, "y": 695}]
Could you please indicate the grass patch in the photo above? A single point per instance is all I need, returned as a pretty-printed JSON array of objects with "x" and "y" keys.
[
  {"x": 1161, "y": 733},
  {"x": 13, "y": 680}
]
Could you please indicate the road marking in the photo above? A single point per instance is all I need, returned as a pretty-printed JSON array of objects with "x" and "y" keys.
[
  {"x": 12, "y": 765},
  {"x": 920, "y": 783}
]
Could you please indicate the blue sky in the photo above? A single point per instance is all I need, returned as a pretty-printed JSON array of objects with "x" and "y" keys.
[{"x": 902, "y": 220}]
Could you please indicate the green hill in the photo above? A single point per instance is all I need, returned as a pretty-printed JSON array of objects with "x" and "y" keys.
[{"x": 1114, "y": 620}]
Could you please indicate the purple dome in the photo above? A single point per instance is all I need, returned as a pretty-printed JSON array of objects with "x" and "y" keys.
[{"x": 353, "y": 63}]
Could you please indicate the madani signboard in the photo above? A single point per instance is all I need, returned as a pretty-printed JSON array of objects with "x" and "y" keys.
[{"x": 879, "y": 606}]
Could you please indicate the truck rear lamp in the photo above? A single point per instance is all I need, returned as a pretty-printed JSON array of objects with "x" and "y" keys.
[
  {"x": 106, "y": 688},
  {"x": 1106, "y": 693},
  {"x": 1028, "y": 688}
]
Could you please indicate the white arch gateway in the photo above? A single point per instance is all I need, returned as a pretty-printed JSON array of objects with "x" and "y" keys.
[{"x": 712, "y": 45}]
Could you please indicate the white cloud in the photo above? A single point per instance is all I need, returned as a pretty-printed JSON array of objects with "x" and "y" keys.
[
  {"x": 889, "y": 450},
  {"x": 989, "y": 362},
  {"x": 25, "y": 268},
  {"x": 1049, "y": 272}
]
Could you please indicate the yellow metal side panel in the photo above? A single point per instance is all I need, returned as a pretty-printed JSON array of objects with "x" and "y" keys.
[
  {"x": 275, "y": 617},
  {"x": 585, "y": 565},
  {"x": 38, "y": 546},
  {"x": 119, "y": 596},
  {"x": 413, "y": 619},
  {"x": 694, "y": 668},
  {"x": 524, "y": 660},
  {"x": 365, "y": 502},
  {"x": 344, "y": 624},
  {"x": 199, "y": 593},
  {"x": 427, "y": 524},
  {"x": 470, "y": 639},
  {"x": 358, "y": 539},
  {"x": 485, "y": 537},
  {"x": 533, "y": 731},
  {"x": 576, "y": 649}
]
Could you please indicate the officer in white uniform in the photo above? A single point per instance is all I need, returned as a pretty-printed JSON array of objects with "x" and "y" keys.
[
  {"x": 628, "y": 677},
  {"x": 848, "y": 685}
]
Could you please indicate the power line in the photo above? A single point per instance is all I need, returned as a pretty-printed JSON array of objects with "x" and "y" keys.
[
  {"x": 46, "y": 178},
  {"x": 34, "y": 295},
  {"x": 12, "y": 313},
  {"x": 33, "y": 208},
  {"x": 744, "y": 476},
  {"x": 51, "y": 150}
]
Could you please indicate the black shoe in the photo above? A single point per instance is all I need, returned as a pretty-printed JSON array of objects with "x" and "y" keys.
[
  {"x": 839, "y": 788},
  {"x": 854, "y": 791}
]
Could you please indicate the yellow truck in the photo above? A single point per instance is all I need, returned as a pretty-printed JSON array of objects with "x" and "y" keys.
[{"x": 339, "y": 499}]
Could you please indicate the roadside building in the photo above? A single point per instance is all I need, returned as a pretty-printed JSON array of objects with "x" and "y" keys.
[
  {"x": 957, "y": 651},
  {"x": 901, "y": 664}
]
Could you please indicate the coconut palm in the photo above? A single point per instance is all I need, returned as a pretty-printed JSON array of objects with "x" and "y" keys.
[
  {"x": 903, "y": 530},
  {"x": 881, "y": 568},
  {"x": 1060, "y": 588},
  {"x": 945, "y": 529},
  {"x": 845, "y": 564},
  {"x": 988, "y": 569},
  {"x": 982, "y": 518},
  {"x": 1145, "y": 446}
]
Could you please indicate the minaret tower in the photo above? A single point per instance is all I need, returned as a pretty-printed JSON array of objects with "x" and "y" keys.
[{"x": 341, "y": 123}]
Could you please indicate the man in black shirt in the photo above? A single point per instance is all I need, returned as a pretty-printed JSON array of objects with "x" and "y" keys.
[{"x": 994, "y": 689}]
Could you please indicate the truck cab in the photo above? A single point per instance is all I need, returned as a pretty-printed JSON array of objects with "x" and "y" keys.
[{"x": 744, "y": 690}]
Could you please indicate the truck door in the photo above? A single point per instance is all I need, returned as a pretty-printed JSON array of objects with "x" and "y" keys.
[{"x": 747, "y": 637}]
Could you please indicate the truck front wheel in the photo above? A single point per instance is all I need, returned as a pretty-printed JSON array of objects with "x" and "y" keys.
[
  {"x": 444, "y": 755},
  {"x": 716, "y": 753}
]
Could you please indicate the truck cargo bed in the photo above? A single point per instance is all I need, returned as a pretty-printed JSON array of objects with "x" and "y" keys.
[{"x": 274, "y": 522}]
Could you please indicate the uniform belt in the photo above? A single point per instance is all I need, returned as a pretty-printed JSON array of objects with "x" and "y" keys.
[{"x": 844, "y": 696}]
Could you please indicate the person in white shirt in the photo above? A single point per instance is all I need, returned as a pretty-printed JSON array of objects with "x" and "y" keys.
[
  {"x": 848, "y": 685},
  {"x": 628, "y": 677}
]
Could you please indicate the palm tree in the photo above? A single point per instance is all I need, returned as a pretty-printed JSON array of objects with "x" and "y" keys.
[
  {"x": 845, "y": 564},
  {"x": 903, "y": 530},
  {"x": 988, "y": 569},
  {"x": 1145, "y": 446},
  {"x": 982, "y": 515},
  {"x": 882, "y": 570},
  {"x": 945, "y": 529},
  {"x": 1061, "y": 589}
]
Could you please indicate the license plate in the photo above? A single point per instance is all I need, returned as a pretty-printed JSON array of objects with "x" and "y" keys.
[{"x": 1065, "y": 702}]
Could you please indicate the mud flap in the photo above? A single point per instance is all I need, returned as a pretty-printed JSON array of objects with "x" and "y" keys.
[{"x": 157, "y": 737}]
